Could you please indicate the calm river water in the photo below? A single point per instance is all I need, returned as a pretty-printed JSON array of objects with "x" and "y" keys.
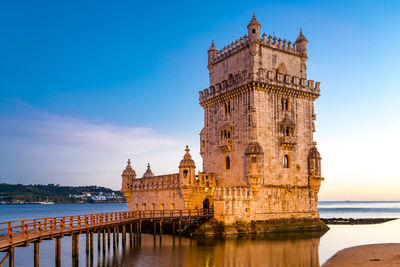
[{"x": 246, "y": 251}]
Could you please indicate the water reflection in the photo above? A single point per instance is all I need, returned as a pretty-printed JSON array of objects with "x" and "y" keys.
[{"x": 246, "y": 251}]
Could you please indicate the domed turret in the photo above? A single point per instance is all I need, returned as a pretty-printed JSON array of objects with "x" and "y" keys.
[
  {"x": 314, "y": 162},
  {"x": 254, "y": 156},
  {"x": 254, "y": 148},
  {"x": 127, "y": 176},
  {"x": 314, "y": 170},
  {"x": 128, "y": 170},
  {"x": 254, "y": 29},
  {"x": 301, "y": 43},
  {"x": 187, "y": 174},
  {"x": 187, "y": 160},
  {"x": 148, "y": 172},
  {"x": 212, "y": 52}
]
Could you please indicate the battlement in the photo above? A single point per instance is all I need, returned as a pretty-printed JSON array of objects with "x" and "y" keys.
[
  {"x": 171, "y": 181},
  {"x": 233, "y": 193},
  {"x": 268, "y": 77},
  {"x": 272, "y": 42},
  {"x": 156, "y": 182}
]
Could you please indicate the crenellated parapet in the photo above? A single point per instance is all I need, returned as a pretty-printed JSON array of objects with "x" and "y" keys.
[
  {"x": 271, "y": 42},
  {"x": 266, "y": 78},
  {"x": 166, "y": 181}
]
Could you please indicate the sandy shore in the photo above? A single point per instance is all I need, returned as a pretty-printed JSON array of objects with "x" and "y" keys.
[{"x": 366, "y": 255}]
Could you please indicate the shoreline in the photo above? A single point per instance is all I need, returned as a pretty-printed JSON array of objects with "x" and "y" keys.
[
  {"x": 95, "y": 202},
  {"x": 356, "y": 221}
]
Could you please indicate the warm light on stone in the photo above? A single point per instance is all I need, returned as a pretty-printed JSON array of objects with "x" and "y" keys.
[{"x": 259, "y": 156}]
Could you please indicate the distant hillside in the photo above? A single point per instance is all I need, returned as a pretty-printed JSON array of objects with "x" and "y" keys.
[{"x": 18, "y": 193}]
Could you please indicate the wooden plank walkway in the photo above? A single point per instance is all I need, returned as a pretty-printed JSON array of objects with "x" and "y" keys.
[{"x": 22, "y": 232}]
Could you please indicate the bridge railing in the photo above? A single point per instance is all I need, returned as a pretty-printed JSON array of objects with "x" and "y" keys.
[{"x": 55, "y": 225}]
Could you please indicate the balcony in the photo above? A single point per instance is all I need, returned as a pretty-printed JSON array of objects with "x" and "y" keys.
[
  {"x": 287, "y": 142},
  {"x": 225, "y": 145}
]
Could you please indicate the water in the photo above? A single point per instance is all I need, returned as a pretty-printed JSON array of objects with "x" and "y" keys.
[
  {"x": 245, "y": 251},
  {"x": 359, "y": 209}
]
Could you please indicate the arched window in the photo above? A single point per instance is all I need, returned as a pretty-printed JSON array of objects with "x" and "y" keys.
[
  {"x": 227, "y": 163},
  {"x": 285, "y": 104},
  {"x": 253, "y": 31},
  {"x": 281, "y": 68},
  {"x": 185, "y": 173},
  {"x": 286, "y": 163}
]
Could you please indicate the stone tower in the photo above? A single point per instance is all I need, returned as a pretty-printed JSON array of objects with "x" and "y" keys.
[
  {"x": 260, "y": 162},
  {"x": 259, "y": 123}
]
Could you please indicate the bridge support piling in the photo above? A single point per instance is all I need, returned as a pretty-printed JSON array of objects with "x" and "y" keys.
[
  {"x": 114, "y": 239},
  {"x": 180, "y": 227},
  {"x": 104, "y": 240},
  {"x": 11, "y": 257},
  {"x": 98, "y": 239},
  {"x": 123, "y": 235},
  {"x": 173, "y": 228},
  {"x": 75, "y": 249},
  {"x": 160, "y": 227},
  {"x": 108, "y": 237},
  {"x": 36, "y": 254},
  {"x": 130, "y": 234},
  {"x": 117, "y": 234},
  {"x": 58, "y": 252},
  {"x": 87, "y": 242},
  {"x": 155, "y": 229},
  {"x": 91, "y": 243}
]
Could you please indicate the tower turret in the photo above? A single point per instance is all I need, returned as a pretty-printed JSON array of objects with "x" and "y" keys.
[
  {"x": 212, "y": 52},
  {"x": 127, "y": 176},
  {"x": 254, "y": 156},
  {"x": 148, "y": 172},
  {"x": 254, "y": 29},
  {"x": 187, "y": 170},
  {"x": 301, "y": 44},
  {"x": 314, "y": 170}
]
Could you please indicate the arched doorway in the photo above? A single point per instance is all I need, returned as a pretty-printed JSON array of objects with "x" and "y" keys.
[{"x": 206, "y": 203}]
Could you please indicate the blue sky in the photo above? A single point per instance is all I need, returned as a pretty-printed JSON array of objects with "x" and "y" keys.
[{"x": 86, "y": 84}]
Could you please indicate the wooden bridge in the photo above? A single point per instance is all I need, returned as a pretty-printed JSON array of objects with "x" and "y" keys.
[{"x": 22, "y": 233}]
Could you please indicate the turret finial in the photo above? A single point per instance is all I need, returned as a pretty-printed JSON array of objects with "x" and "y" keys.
[
  {"x": 129, "y": 161},
  {"x": 187, "y": 149}
]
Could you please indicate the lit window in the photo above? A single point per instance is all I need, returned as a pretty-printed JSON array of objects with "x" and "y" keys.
[
  {"x": 153, "y": 206},
  {"x": 172, "y": 206},
  {"x": 161, "y": 206},
  {"x": 136, "y": 207},
  {"x": 143, "y": 206}
]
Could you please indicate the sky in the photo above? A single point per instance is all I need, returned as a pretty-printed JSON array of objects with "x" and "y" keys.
[{"x": 85, "y": 85}]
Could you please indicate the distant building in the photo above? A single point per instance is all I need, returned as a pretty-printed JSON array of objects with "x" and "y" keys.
[{"x": 259, "y": 158}]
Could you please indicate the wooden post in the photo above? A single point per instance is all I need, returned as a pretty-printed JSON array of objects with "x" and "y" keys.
[
  {"x": 160, "y": 227},
  {"x": 11, "y": 257},
  {"x": 130, "y": 233},
  {"x": 91, "y": 243},
  {"x": 104, "y": 240},
  {"x": 108, "y": 236},
  {"x": 58, "y": 251},
  {"x": 180, "y": 227},
  {"x": 76, "y": 262},
  {"x": 36, "y": 254},
  {"x": 114, "y": 239},
  {"x": 87, "y": 242},
  {"x": 98, "y": 239},
  {"x": 173, "y": 228},
  {"x": 155, "y": 229},
  {"x": 117, "y": 234},
  {"x": 123, "y": 235},
  {"x": 73, "y": 248}
]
